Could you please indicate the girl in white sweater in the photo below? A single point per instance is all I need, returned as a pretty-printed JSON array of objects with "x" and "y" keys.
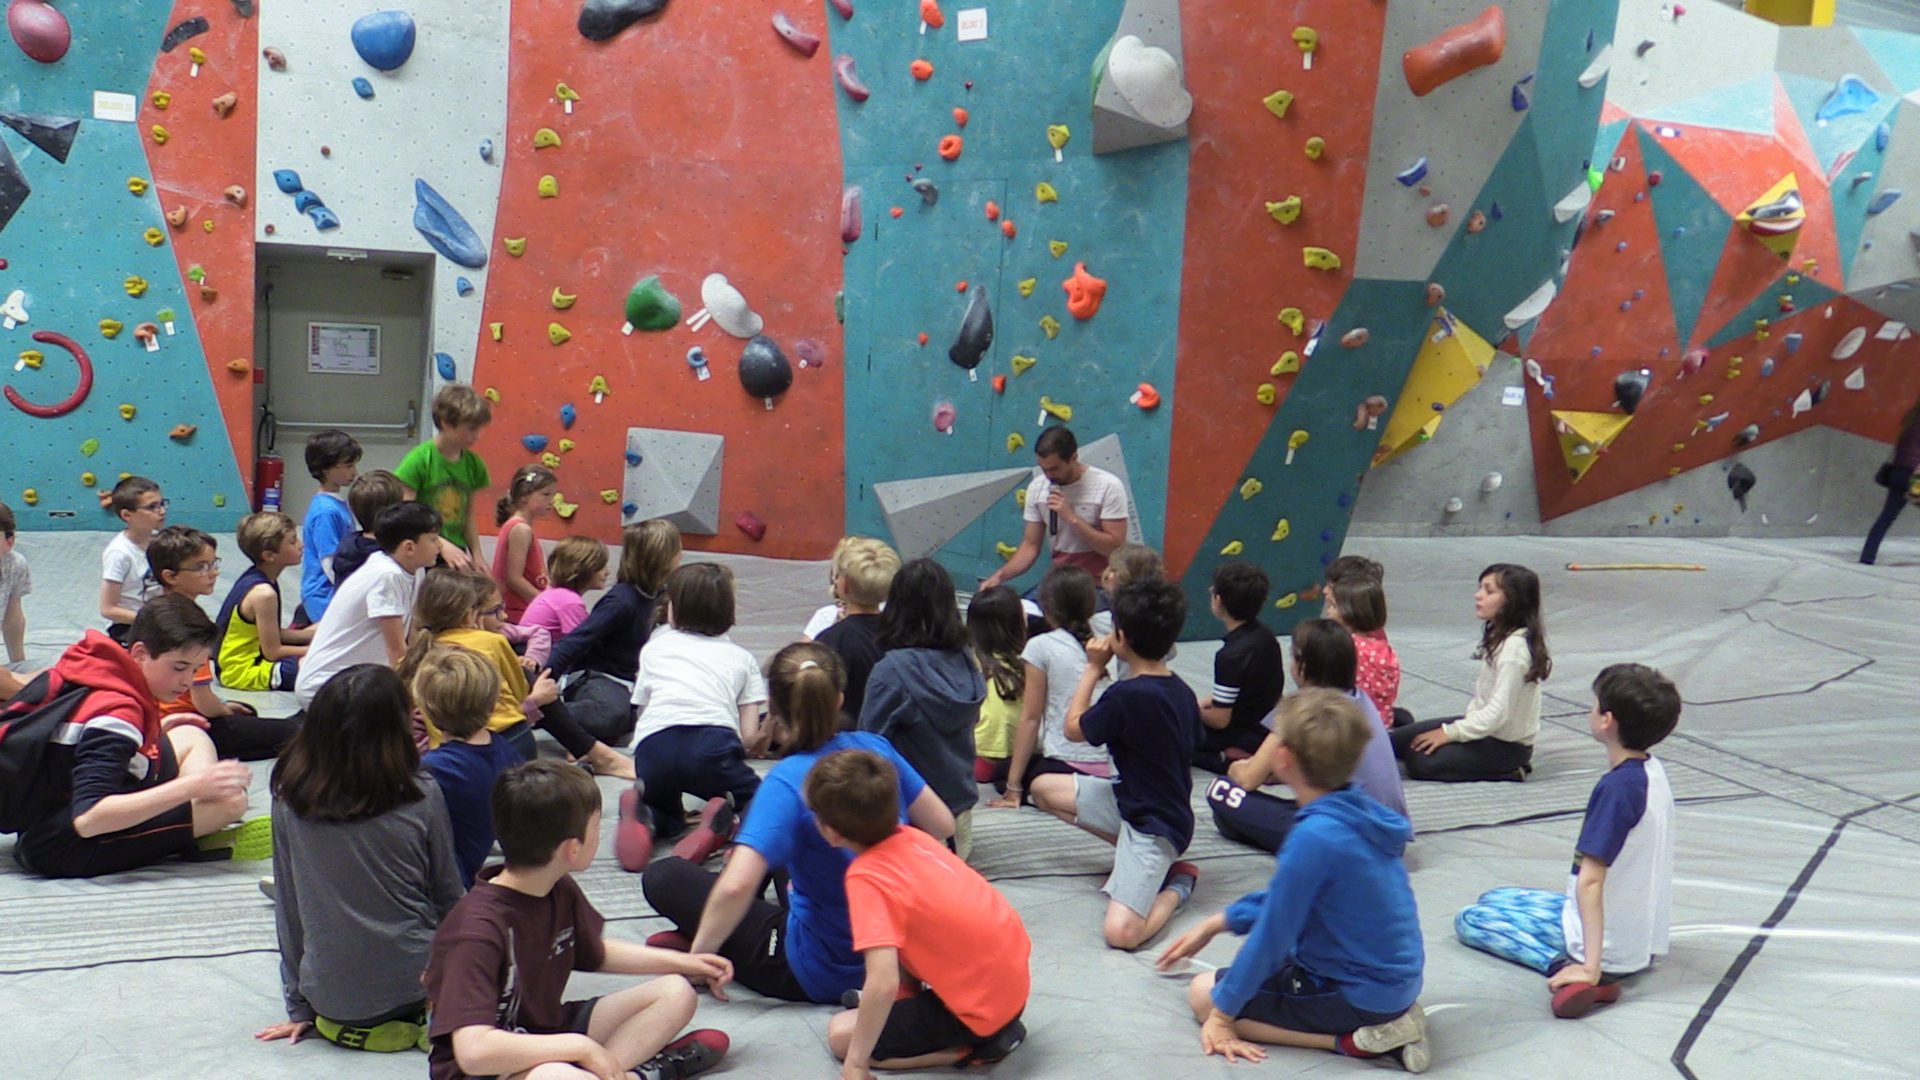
[{"x": 1494, "y": 740}]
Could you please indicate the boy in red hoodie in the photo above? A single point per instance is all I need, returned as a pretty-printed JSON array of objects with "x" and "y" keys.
[{"x": 136, "y": 794}]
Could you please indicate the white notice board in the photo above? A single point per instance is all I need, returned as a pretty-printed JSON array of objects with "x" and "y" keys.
[{"x": 343, "y": 349}]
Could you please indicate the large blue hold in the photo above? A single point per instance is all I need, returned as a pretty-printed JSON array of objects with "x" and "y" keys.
[
  {"x": 444, "y": 364},
  {"x": 445, "y": 229},
  {"x": 384, "y": 39},
  {"x": 286, "y": 180}
]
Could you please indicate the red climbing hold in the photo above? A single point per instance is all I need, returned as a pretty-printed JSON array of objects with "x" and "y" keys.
[
  {"x": 755, "y": 529},
  {"x": 41, "y": 32},
  {"x": 1006, "y": 228},
  {"x": 47, "y": 412},
  {"x": 960, "y": 117},
  {"x": 1084, "y": 292},
  {"x": 1456, "y": 51},
  {"x": 960, "y": 286},
  {"x": 993, "y": 210},
  {"x": 931, "y": 15},
  {"x": 896, "y": 211},
  {"x": 921, "y": 70},
  {"x": 999, "y": 384},
  {"x": 950, "y": 146},
  {"x": 923, "y": 339},
  {"x": 1654, "y": 178}
]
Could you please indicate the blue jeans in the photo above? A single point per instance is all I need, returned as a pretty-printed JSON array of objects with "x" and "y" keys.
[{"x": 1521, "y": 925}]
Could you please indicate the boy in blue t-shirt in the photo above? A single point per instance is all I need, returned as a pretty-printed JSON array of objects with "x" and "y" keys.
[
  {"x": 1620, "y": 890},
  {"x": 1333, "y": 956},
  {"x": 456, "y": 689},
  {"x": 1150, "y": 723},
  {"x": 333, "y": 458}
]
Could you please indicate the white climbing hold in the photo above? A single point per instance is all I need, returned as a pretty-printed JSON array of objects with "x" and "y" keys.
[
  {"x": 1149, "y": 79},
  {"x": 1857, "y": 380},
  {"x": 1892, "y": 331},
  {"x": 1850, "y": 344},
  {"x": 1575, "y": 203},
  {"x": 14, "y": 311},
  {"x": 1597, "y": 70},
  {"x": 1803, "y": 402},
  {"x": 1492, "y": 483},
  {"x": 725, "y": 306},
  {"x": 1455, "y": 505},
  {"x": 1533, "y": 306}
]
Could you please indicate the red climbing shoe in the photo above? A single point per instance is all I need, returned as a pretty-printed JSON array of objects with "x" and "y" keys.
[
  {"x": 1576, "y": 1001},
  {"x": 690, "y": 1055},
  {"x": 715, "y": 831},
  {"x": 673, "y": 940},
  {"x": 633, "y": 836}
]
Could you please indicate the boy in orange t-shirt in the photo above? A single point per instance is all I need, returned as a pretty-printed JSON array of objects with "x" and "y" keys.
[{"x": 917, "y": 913}]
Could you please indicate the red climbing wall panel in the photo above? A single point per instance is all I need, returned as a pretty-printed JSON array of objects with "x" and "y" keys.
[
  {"x": 683, "y": 158},
  {"x": 1241, "y": 267},
  {"x": 204, "y": 156}
]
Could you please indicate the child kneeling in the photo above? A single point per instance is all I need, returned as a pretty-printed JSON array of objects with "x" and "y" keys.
[
  {"x": 916, "y": 907},
  {"x": 1333, "y": 954},
  {"x": 503, "y": 956}
]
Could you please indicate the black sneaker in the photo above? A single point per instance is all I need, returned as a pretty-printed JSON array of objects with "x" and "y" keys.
[
  {"x": 694, "y": 1053},
  {"x": 850, "y": 999},
  {"x": 999, "y": 1045}
]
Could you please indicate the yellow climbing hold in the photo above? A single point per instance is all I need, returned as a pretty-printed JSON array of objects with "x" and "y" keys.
[
  {"x": 1294, "y": 319},
  {"x": 1051, "y": 325},
  {"x": 196, "y": 56},
  {"x": 136, "y": 185},
  {"x": 1286, "y": 211},
  {"x": 1005, "y": 549},
  {"x": 1706, "y": 399},
  {"x": 609, "y": 496},
  {"x": 558, "y": 334},
  {"x": 498, "y": 330},
  {"x": 550, "y": 459},
  {"x": 90, "y": 447},
  {"x": 33, "y": 358},
  {"x": 155, "y": 237},
  {"x": 549, "y": 187},
  {"x": 1234, "y": 547},
  {"x": 1026, "y": 286},
  {"x": 1020, "y": 498},
  {"x": 135, "y": 285},
  {"x": 207, "y": 224},
  {"x": 1294, "y": 442},
  {"x": 87, "y": 479},
  {"x": 564, "y": 92},
  {"x": 599, "y": 388},
  {"x": 545, "y": 137},
  {"x": 161, "y": 99},
  {"x": 110, "y": 327},
  {"x": 30, "y": 497},
  {"x": 161, "y": 135},
  {"x": 1319, "y": 258},
  {"x": 1251, "y": 488},
  {"x": 1058, "y": 247},
  {"x": 1044, "y": 192},
  {"x": 1287, "y": 601},
  {"x": 1266, "y": 393},
  {"x": 1315, "y": 147},
  {"x": 516, "y": 246},
  {"x": 1062, "y": 413},
  {"x": 127, "y": 411},
  {"x": 566, "y": 445},
  {"x": 1282, "y": 530},
  {"x": 1288, "y": 364},
  {"x": 563, "y": 301},
  {"x": 1058, "y": 136},
  {"x": 1307, "y": 38},
  {"x": 1015, "y": 441},
  {"x": 491, "y": 395},
  {"x": 1278, "y": 102},
  {"x": 1022, "y": 363},
  {"x": 564, "y": 508}
]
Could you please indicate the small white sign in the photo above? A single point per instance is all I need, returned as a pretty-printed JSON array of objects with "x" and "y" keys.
[
  {"x": 973, "y": 24},
  {"x": 343, "y": 349},
  {"x": 1514, "y": 395},
  {"x": 107, "y": 105}
]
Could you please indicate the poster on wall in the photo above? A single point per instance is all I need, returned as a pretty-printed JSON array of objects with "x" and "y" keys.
[{"x": 343, "y": 349}]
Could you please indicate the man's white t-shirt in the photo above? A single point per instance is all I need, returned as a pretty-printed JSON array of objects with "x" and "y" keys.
[
  {"x": 348, "y": 633},
  {"x": 16, "y": 580},
  {"x": 1096, "y": 497},
  {"x": 691, "y": 680},
  {"x": 124, "y": 562},
  {"x": 1629, "y": 826}
]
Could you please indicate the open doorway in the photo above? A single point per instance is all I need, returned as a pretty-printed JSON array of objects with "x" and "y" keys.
[{"x": 341, "y": 342}]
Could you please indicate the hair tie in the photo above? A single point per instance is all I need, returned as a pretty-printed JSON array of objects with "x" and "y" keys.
[{"x": 805, "y": 664}]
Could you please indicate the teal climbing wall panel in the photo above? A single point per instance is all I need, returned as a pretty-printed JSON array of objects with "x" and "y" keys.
[{"x": 1693, "y": 229}]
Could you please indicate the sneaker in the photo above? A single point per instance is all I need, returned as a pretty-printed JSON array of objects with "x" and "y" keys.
[
  {"x": 1416, "y": 1056},
  {"x": 1178, "y": 871},
  {"x": 1575, "y": 1001},
  {"x": 266, "y": 886},
  {"x": 695, "y": 1053},
  {"x": 670, "y": 939},
  {"x": 633, "y": 836},
  {"x": 251, "y": 840},
  {"x": 715, "y": 831},
  {"x": 1408, "y": 1027},
  {"x": 998, "y": 1046},
  {"x": 849, "y": 999},
  {"x": 388, "y": 1038}
]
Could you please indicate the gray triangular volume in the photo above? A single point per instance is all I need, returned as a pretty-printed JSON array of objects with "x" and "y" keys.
[
  {"x": 54, "y": 134},
  {"x": 14, "y": 188},
  {"x": 678, "y": 478},
  {"x": 1105, "y": 453},
  {"x": 926, "y": 513}
]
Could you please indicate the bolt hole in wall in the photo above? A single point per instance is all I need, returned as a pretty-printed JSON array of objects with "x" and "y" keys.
[{"x": 340, "y": 289}]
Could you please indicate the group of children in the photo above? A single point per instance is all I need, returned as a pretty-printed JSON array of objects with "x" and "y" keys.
[{"x": 421, "y": 680}]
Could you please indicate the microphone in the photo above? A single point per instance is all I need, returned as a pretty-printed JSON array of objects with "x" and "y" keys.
[{"x": 1053, "y": 522}]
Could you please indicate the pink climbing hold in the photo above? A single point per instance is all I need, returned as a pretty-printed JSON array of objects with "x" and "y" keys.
[
  {"x": 844, "y": 7},
  {"x": 803, "y": 43},
  {"x": 755, "y": 529},
  {"x": 41, "y": 32},
  {"x": 944, "y": 414},
  {"x": 1654, "y": 178},
  {"x": 850, "y": 214},
  {"x": 1693, "y": 361},
  {"x": 843, "y": 71}
]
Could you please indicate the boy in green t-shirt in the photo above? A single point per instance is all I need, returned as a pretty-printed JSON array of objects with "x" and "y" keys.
[{"x": 445, "y": 472}]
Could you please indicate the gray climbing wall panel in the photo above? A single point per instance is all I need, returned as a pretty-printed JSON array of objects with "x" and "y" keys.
[
  {"x": 1106, "y": 453},
  {"x": 677, "y": 477},
  {"x": 926, "y": 512},
  {"x": 1117, "y": 125}
]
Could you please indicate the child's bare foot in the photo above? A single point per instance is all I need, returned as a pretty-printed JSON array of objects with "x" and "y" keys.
[{"x": 607, "y": 761}]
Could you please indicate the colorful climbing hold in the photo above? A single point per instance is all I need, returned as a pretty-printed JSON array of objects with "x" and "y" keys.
[
  {"x": 516, "y": 246},
  {"x": 135, "y": 285},
  {"x": 1266, "y": 394},
  {"x": 1288, "y": 364},
  {"x": 1293, "y": 319},
  {"x": 1438, "y": 214},
  {"x": 363, "y": 87},
  {"x": 1084, "y": 292},
  {"x": 1057, "y": 247},
  {"x": 1008, "y": 229},
  {"x": 1455, "y": 52},
  {"x": 1020, "y": 363},
  {"x": 651, "y": 307},
  {"x": 563, "y": 508},
  {"x": 1015, "y": 441},
  {"x": 491, "y": 395},
  {"x": 384, "y": 39},
  {"x": 127, "y": 411},
  {"x": 161, "y": 99},
  {"x": 1286, "y": 211},
  {"x": 32, "y": 497},
  {"x": 1058, "y": 135},
  {"x": 950, "y": 147},
  {"x": 110, "y": 328},
  {"x": 160, "y": 134},
  {"x": 1355, "y": 337},
  {"x": 180, "y": 433},
  {"x": 804, "y": 43},
  {"x": 1044, "y": 192},
  {"x": 921, "y": 70},
  {"x": 1294, "y": 442},
  {"x": 1316, "y": 146},
  {"x": 1250, "y": 488},
  {"x": 850, "y": 217},
  {"x": 1319, "y": 258},
  {"x": 1413, "y": 173},
  {"x": 1278, "y": 102},
  {"x": 534, "y": 443},
  {"x": 1234, "y": 547},
  {"x": 1062, "y": 413},
  {"x": 1026, "y": 286},
  {"x": 1051, "y": 325},
  {"x": 558, "y": 334},
  {"x": 1146, "y": 397},
  {"x": 549, "y": 188},
  {"x": 563, "y": 92},
  {"x": 1308, "y": 39},
  {"x": 993, "y": 210},
  {"x": 32, "y": 358},
  {"x": 550, "y": 460},
  {"x": 545, "y": 137},
  {"x": 40, "y": 30},
  {"x": 562, "y": 301},
  {"x": 843, "y": 72},
  {"x": 1282, "y": 530}
]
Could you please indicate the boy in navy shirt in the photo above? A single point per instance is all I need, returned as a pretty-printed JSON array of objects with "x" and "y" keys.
[
  {"x": 1333, "y": 954},
  {"x": 1620, "y": 890},
  {"x": 1248, "y": 671},
  {"x": 1150, "y": 723},
  {"x": 456, "y": 690}
]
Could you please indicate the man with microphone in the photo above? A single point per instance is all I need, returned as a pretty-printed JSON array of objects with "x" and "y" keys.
[{"x": 1080, "y": 509}]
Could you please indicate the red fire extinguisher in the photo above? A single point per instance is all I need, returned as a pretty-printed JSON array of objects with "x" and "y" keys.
[{"x": 268, "y": 472}]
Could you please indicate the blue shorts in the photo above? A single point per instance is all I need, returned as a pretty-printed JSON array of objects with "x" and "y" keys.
[{"x": 1298, "y": 1000}]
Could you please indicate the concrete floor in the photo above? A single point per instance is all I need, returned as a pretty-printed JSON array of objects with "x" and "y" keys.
[{"x": 1798, "y": 879}]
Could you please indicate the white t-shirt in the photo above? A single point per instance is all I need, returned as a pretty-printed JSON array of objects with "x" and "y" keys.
[
  {"x": 1629, "y": 826},
  {"x": 16, "y": 580},
  {"x": 1096, "y": 497},
  {"x": 126, "y": 563},
  {"x": 348, "y": 633},
  {"x": 690, "y": 680},
  {"x": 821, "y": 621},
  {"x": 1061, "y": 657}
]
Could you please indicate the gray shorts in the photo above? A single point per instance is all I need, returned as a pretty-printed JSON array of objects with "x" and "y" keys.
[{"x": 1140, "y": 860}]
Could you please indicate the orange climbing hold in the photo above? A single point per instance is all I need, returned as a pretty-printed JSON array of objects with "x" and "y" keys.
[
  {"x": 1084, "y": 292},
  {"x": 993, "y": 210},
  {"x": 950, "y": 146},
  {"x": 896, "y": 211},
  {"x": 1007, "y": 228},
  {"x": 960, "y": 286},
  {"x": 931, "y": 14},
  {"x": 960, "y": 117},
  {"x": 1146, "y": 396},
  {"x": 1456, "y": 51},
  {"x": 923, "y": 339},
  {"x": 999, "y": 384},
  {"x": 921, "y": 70}
]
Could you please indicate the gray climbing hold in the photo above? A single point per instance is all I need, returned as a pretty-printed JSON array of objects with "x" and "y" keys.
[
  {"x": 764, "y": 371},
  {"x": 486, "y": 150},
  {"x": 976, "y": 332},
  {"x": 363, "y": 88},
  {"x": 1740, "y": 481},
  {"x": 1747, "y": 435},
  {"x": 14, "y": 188},
  {"x": 443, "y": 364},
  {"x": 929, "y": 194},
  {"x": 287, "y": 180},
  {"x": 602, "y": 19},
  {"x": 926, "y": 513},
  {"x": 445, "y": 229},
  {"x": 53, "y": 134},
  {"x": 384, "y": 39},
  {"x": 674, "y": 475},
  {"x": 1138, "y": 80},
  {"x": 1630, "y": 387}
]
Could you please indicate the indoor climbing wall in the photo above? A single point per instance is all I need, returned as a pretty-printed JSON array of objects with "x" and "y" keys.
[{"x": 106, "y": 369}]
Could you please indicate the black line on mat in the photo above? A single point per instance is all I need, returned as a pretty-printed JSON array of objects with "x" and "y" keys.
[{"x": 135, "y": 960}]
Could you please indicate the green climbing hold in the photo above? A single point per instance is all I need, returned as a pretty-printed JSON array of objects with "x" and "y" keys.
[
  {"x": 651, "y": 307},
  {"x": 90, "y": 447},
  {"x": 219, "y": 500},
  {"x": 1051, "y": 325}
]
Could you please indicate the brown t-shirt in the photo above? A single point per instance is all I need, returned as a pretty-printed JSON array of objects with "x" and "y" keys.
[{"x": 502, "y": 959}]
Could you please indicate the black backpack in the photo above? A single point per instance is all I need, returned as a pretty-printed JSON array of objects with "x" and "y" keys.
[{"x": 29, "y": 724}]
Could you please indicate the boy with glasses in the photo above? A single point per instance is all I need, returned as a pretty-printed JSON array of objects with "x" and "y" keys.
[{"x": 124, "y": 583}]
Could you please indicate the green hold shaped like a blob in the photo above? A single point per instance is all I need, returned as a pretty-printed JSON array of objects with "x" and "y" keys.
[
  {"x": 651, "y": 307},
  {"x": 90, "y": 447}
]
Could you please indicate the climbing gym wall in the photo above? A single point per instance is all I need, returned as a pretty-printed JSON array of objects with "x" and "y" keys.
[{"x": 116, "y": 362}]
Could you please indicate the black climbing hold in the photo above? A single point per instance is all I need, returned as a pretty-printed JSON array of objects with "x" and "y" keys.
[
  {"x": 1630, "y": 387},
  {"x": 976, "y": 332},
  {"x": 764, "y": 370},
  {"x": 1820, "y": 392},
  {"x": 1740, "y": 481},
  {"x": 602, "y": 19},
  {"x": 191, "y": 28},
  {"x": 244, "y": 8},
  {"x": 53, "y": 134},
  {"x": 14, "y": 188}
]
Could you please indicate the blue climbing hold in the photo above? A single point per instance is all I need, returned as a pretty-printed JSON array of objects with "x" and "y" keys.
[
  {"x": 363, "y": 88},
  {"x": 633, "y": 460},
  {"x": 445, "y": 229},
  {"x": 1850, "y": 95},
  {"x": 1884, "y": 201},
  {"x": 696, "y": 357},
  {"x": 486, "y": 150},
  {"x": 323, "y": 218},
  {"x": 1494, "y": 212},
  {"x": 444, "y": 365},
  {"x": 384, "y": 39},
  {"x": 286, "y": 180},
  {"x": 1882, "y": 135},
  {"x": 534, "y": 443},
  {"x": 1793, "y": 343},
  {"x": 305, "y": 201},
  {"x": 568, "y": 416},
  {"x": 1345, "y": 499},
  {"x": 1413, "y": 173},
  {"x": 628, "y": 509},
  {"x": 463, "y": 286},
  {"x": 1766, "y": 367},
  {"x": 1523, "y": 94}
]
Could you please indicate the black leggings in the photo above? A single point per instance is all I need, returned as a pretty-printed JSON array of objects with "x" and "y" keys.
[
  {"x": 1481, "y": 759},
  {"x": 252, "y": 738},
  {"x": 1250, "y": 817},
  {"x": 557, "y": 721},
  {"x": 1897, "y": 484},
  {"x": 678, "y": 890}
]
